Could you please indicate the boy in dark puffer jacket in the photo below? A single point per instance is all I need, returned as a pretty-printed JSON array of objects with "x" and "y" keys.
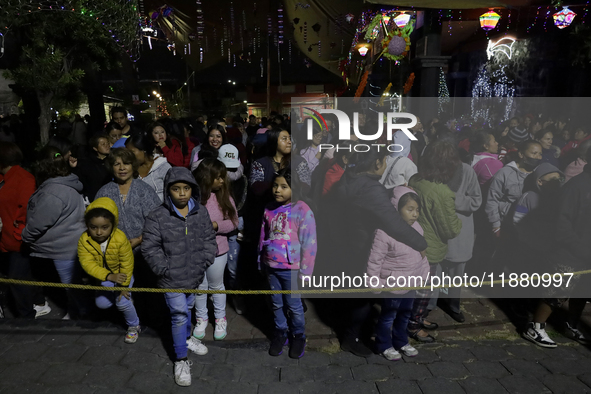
[{"x": 178, "y": 245}]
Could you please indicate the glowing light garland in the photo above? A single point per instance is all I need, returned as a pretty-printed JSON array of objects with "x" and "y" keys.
[{"x": 504, "y": 46}]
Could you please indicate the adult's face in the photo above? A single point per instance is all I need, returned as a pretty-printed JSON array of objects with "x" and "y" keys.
[
  {"x": 120, "y": 118},
  {"x": 121, "y": 171},
  {"x": 159, "y": 134},
  {"x": 546, "y": 140},
  {"x": 114, "y": 135},
  {"x": 103, "y": 147},
  {"x": 215, "y": 138},
  {"x": 284, "y": 143},
  {"x": 140, "y": 155}
]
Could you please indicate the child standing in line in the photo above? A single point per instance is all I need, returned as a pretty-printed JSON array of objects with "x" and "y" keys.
[
  {"x": 392, "y": 258},
  {"x": 105, "y": 254},
  {"x": 287, "y": 243},
  {"x": 215, "y": 196},
  {"x": 178, "y": 245}
]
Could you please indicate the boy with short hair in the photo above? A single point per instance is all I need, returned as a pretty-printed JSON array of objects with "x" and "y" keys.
[{"x": 178, "y": 245}]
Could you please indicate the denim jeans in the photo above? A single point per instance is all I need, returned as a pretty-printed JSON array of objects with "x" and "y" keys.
[
  {"x": 281, "y": 279},
  {"x": 68, "y": 271},
  {"x": 213, "y": 280},
  {"x": 180, "y": 306},
  {"x": 391, "y": 327},
  {"x": 106, "y": 299},
  {"x": 233, "y": 254}
]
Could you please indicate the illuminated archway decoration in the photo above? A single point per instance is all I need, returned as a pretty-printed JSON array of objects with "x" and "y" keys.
[{"x": 402, "y": 20}]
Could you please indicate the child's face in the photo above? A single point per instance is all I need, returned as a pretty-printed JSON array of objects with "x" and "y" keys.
[
  {"x": 180, "y": 193},
  {"x": 114, "y": 136},
  {"x": 281, "y": 190},
  {"x": 217, "y": 184},
  {"x": 100, "y": 229},
  {"x": 580, "y": 135},
  {"x": 410, "y": 212}
]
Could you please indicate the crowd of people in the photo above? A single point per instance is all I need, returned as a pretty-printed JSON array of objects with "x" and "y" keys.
[{"x": 216, "y": 204}]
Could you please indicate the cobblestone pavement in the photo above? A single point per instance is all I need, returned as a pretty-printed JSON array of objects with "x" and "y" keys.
[{"x": 484, "y": 355}]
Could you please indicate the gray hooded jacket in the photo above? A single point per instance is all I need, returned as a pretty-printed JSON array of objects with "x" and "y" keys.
[
  {"x": 155, "y": 177},
  {"x": 177, "y": 249},
  {"x": 55, "y": 218},
  {"x": 505, "y": 188}
]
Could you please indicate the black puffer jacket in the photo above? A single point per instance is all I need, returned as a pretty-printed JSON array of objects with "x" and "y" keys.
[{"x": 178, "y": 249}]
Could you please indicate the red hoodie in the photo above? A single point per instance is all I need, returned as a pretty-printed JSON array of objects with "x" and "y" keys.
[
  {"x": 17, "y": 187},
  {"x": 572, "y": 145},
  {"x": 174, "y": 155}
]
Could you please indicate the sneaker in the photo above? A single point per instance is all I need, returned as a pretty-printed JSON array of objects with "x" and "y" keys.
[
  {"x": 238, "y": 302},
  {"x": 408, "y": 350},
  {"x": 356, "y": 347},
  {"x": 199, "y": 330},
  {"x": 391, "y": 354},
  {"x": 276, "y": 348},
  {"x": 220, "y": 331},
  {"x": 41, "y": 310},
  {"x": 132, "y": 334},
  {"x": 182, "y": 372},
  {"x": 297, "y": 346},
  {"x": 573, "y": 333},
  {"x": 196, "y": 346},
  {"x": 536, "y": 333},
  {"x": 66, "y": 317}
]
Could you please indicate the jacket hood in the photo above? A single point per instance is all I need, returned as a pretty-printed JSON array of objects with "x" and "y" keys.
[
  {"x": 158, "y": 162},
  {"x": 69, "y": 180},
  {"x": 531, "y": 182},
  {"x": 398, "y": 192},
  {"x": 180, "y": 174},
  {"x": 108, "y": 204}
]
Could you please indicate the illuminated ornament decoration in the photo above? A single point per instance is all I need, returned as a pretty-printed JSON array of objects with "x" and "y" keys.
[
  {"x": 564, "y": 18},
  {"x": 402, "y": 20},
  {"x": 386, "y": 18},
  {"x": 489, "y": 20},
  {"x": 504, "y": 46},
  {"x": 363, "y": 50},
  {"x": 350, "y": 18},
  {"x": 396, "y": 45}
]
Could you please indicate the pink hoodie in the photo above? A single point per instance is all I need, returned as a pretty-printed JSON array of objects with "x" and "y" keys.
[{"x": 392, "y": 258}]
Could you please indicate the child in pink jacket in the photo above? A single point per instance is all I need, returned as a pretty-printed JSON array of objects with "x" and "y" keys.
[{"x": 395, "y": 264}]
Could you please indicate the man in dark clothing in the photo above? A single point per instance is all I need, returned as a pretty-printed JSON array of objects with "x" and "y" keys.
[
  {"x": 252, "y": 127},
  {"x": 91, "y": 171}
]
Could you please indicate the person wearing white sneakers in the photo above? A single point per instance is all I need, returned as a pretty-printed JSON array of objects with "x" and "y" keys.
[
  {"x": 394, "y": 262},
  {"x": 215, "y": 195},
  {"x": 178, "y": 245}
]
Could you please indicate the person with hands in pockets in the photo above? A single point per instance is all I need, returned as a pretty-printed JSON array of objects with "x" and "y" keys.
[{"x": 179, "y": 244}]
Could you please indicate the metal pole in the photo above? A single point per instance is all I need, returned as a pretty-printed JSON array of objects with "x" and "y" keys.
[{"x": 268, "y": 77}]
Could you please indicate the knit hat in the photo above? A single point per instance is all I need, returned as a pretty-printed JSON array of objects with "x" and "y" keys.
[
  {"x": 228, "y": 154},
  {"x": 516, "y": 135}
]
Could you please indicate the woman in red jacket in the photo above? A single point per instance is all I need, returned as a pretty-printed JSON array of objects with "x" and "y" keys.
[
  {"x": 173, "y": 140},
  {"x": 16, "y": 187}
]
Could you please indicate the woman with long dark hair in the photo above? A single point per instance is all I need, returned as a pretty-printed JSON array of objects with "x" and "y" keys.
[
  {"x": 55, "y": 217},
  {"x": 438, "y": 220},
  {"x": 174, "y": 142}
]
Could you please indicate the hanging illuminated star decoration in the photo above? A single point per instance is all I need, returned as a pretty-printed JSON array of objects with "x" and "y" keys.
[{"x": 504, "y": 46}]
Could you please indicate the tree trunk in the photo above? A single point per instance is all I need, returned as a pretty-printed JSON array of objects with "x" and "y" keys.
[
  {"x": 45, "y": 115},
  {"x": 92, "y": 87}
]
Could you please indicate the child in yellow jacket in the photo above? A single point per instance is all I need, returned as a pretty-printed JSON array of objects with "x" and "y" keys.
[{"x": 105, "y": 254}]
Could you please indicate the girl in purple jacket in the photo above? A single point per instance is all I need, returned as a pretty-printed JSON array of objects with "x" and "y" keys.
[
  {"x": 287, "y": 246},
  {"x": 397, "y": 265}
]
